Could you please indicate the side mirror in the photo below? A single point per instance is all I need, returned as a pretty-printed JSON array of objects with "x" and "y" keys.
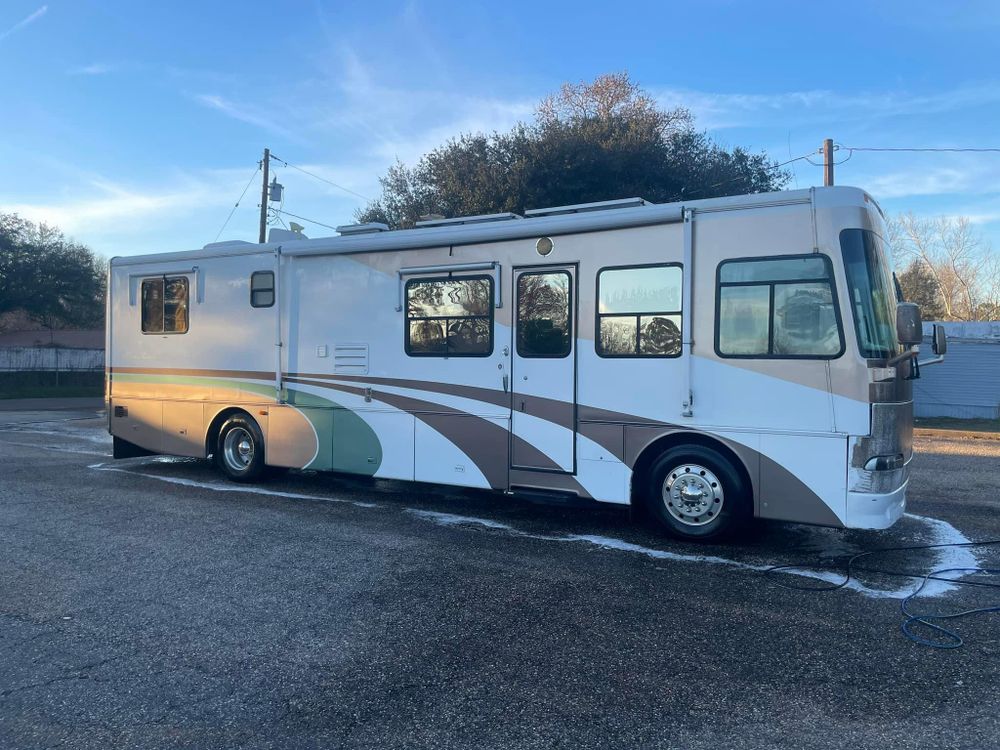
[
  {"x": 908, "y": 328},
  {"x": 940, "y": 343}
]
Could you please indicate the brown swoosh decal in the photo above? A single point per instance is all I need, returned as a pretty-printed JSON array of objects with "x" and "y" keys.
[
  {"x": 489, "y": 395},
  {"x": 484, "y": 442},
  {"x": 551, "y": 410}
]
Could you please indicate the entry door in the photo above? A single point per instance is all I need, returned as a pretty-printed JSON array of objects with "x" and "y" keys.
[{"x": 543, "y": 370}]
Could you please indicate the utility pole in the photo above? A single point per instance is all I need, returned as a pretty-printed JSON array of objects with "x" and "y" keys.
[
  {"x": 263, "y": 197},
  {"x": 827, "y": 162}
]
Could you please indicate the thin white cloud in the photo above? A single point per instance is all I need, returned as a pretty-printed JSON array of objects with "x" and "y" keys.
[
  {"x": 374, "y": 122},
  {"x": 406, "y": 122},
  {"x": 94, "y": 69},
  {"x": 243, "y": 113},
  {"x": 716, "y": 110},
  {"x": 912, "y": 182},
  {"x": 24, "y": 22},
  {"x": 185, "y": 210},
  {"x": 110, "y": 206}
]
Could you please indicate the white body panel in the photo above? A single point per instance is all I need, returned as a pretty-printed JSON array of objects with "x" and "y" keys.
[{"x": 328, "y": 367}]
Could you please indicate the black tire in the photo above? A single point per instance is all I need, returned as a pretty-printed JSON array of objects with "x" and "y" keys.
[
  {"x": 239, "y": 451},
  {"x": 695, "y": 493}
]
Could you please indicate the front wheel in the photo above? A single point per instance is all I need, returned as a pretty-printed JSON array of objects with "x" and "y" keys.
[
  {"x": 695, "y": 493},
  {"x": 240, "y": 449}
]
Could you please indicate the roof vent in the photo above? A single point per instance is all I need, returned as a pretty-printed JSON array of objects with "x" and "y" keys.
[
  {"x": 481, "y": 219},
  {"x": 371, "y": 227},
  {"x": 226, "y": 243},
  {"x": 580, "y": 208}
]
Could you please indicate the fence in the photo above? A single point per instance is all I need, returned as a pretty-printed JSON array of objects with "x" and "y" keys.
[
  {"x": 51, "y": 359},
  {"x": 34, "y": 370}
]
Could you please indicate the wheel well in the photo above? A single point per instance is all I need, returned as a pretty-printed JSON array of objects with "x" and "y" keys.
[
  {"x": 212, "y": 436},
  {"x": 649, "y": 454}
]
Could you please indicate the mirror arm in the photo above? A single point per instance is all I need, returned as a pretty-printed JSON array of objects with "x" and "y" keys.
[{"x": 901, "y": 357}]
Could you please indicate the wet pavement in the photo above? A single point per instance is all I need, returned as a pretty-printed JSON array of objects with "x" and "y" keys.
[{"x": 149, "y": 603}]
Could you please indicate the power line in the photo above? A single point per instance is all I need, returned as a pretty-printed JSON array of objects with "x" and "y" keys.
[
  {"x": 322, "y": 179},
  {"x": 744, "y": 177},
  {"x": 925, "y": 150},
  {"x": 836, "y": 163},
  {"x": 240, "y": 200},
  {"x": 303, "y": 218}
]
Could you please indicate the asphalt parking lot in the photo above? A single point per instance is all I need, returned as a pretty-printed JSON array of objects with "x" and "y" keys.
[{"x": 147, "y": 603}]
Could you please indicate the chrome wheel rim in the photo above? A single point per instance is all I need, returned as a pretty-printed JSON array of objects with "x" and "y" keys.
[
  {"x": 238, "y": 449},
  {"x": 693, "y": 495}
]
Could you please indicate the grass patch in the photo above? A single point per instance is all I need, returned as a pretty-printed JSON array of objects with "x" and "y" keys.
[
  {"x": 964, "y": 425},
  {"x": 51, "y": 384},
  {"x": 42, "y": 391}
]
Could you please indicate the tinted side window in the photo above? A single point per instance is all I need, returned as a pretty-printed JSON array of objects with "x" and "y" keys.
[
  {"x": 262, "y": 289},
  {"x": 152, "y": 305},
  {"x": 544, "y": 327},
  {"x": 639, "y": 311},
  {"x": 165, "y": 305},
  {"x": 449, "y": 317},
  {"x": 778, "y": 308}
]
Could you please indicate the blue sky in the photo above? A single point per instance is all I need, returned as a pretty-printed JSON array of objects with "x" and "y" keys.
[{"x": 134, "y": 126}]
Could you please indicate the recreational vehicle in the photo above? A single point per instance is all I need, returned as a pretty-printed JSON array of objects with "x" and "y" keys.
[{"x": 714, "y": 361}]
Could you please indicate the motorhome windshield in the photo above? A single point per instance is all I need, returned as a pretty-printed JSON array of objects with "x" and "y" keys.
[{"x": 871, "y": 293}]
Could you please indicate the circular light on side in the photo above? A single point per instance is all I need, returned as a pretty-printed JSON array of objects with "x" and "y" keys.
[{"x": 543, "y": 246}]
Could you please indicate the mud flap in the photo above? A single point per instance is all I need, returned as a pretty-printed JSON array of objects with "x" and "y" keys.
[{"x": 125, "y": 449}]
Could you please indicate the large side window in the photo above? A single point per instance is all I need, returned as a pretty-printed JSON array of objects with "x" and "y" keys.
[
  {"x": 449, "y": 317},
  {"x": 639, "y": 311},
  {"x": 262, "y": 289},
  {"x": 544, "y": 322},
  {"x": 165, "y": 305},
  {"x": 781, "y": 308}
]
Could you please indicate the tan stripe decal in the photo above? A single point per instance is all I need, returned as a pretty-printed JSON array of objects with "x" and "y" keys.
[{"x": 238, "y": 374}]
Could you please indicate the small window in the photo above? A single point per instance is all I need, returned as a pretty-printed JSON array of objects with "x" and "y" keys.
[
  {"x": 165, "y": 305},
  {"x": 544, "y": 327},
  {"x": 262, "y": 289},
  {"x": 639, "y": 311},
  {"x": 782, "y": 308},
  {"x": 451, "y": 317}
]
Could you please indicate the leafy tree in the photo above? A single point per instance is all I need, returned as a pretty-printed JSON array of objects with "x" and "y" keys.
[
  {"x": 55, "y": 281},
  {"x": 588, "y": 142}
]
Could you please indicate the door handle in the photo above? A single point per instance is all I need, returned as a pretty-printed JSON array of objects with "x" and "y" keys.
[
  {"x": 522, "y": 405},
  {"x": 506, "y": 383}
]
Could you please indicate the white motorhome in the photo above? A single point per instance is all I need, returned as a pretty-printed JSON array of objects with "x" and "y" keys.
[{"x": 715, "y": 360}]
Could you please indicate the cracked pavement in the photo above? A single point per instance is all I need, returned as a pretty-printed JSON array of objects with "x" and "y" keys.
[{"x": 155, "y": 607}]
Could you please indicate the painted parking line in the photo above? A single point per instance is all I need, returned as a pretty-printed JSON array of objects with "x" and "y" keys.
[{"x": 227, "y": 487}]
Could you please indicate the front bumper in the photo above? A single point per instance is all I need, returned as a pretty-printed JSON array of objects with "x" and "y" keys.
[{"x": 875, "y": 510}]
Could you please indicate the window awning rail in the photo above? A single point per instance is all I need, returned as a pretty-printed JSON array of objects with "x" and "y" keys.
[{"x": 487, "y": 265}]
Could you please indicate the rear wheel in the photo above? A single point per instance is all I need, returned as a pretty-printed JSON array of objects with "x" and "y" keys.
[
  {"x": 240, "y": 449},
  {"x": 695, "y": 492}
]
